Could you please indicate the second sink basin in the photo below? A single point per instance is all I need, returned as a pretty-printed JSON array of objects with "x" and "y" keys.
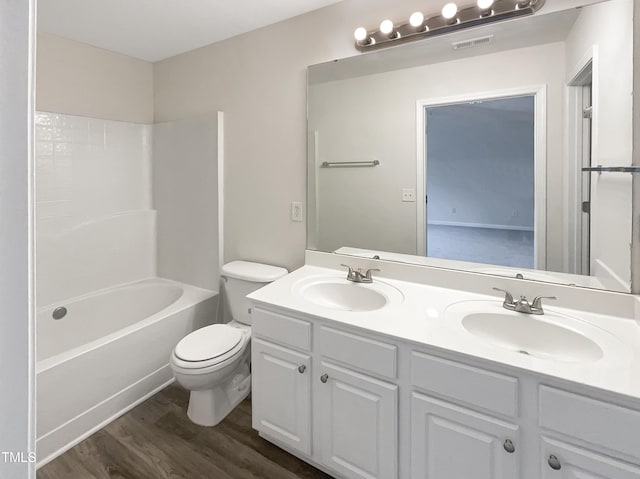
[
  {"x": 551, "y": 336},
  {"x": 532, "y": 336},
  {"x": 337, "y": 293}
]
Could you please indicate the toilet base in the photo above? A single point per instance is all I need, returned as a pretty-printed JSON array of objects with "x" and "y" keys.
[{"x": 209, "y": 407}]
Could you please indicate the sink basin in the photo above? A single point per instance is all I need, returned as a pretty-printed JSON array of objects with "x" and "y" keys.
[
  {"x": 551, "y": 336},
  {"x": 335, "y": 292},
  {"x": 532, "y": 336}
]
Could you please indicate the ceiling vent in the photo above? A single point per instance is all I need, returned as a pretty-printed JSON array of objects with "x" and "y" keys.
[{"x": 475, "y": 42}]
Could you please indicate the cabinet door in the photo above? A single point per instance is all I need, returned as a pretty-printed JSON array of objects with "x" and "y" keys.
[
  {"x": 563, "y": 461},
  {"x": 281, "y": 394},
  {"x": 358, "y": 424},
  {"x": 450, "y": 442}
]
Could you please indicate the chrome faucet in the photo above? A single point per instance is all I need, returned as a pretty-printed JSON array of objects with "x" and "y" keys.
[
  {"x": 357, "y": 276},
  {"x": 523, "y": 305}
]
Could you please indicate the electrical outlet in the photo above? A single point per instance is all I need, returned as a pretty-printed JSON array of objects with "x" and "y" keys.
[
  {"x": 296, "y": 211},
  {"x": 408, "y": 195},
  {"x": 453, "y": 211}
]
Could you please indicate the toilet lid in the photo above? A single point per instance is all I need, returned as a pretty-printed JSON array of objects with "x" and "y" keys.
[{"x": 208, "y": 342}]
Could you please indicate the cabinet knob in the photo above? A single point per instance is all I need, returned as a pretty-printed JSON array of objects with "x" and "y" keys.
[
  {"x": 554, "y": 463},
  {"x": 324, "y": 378},
  {"x": 509, "y": 446},
  {"x": 302, "y": 368}
]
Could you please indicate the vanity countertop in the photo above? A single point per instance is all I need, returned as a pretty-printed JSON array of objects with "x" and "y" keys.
[{"x": 422, "y": 318}]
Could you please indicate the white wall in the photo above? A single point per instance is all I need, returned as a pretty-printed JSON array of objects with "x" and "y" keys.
[
  {"x": 17, "y": 432},
  {"x": 382, "y": 221},
  {"x": 95, "y": 227},
  {"x": 608, "y": 28},
  {"x": 185, "y": 195},
  {"x": 80, "y": 79}
]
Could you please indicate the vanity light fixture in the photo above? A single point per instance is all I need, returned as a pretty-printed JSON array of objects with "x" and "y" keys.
[{"x": 451, "y": 18}]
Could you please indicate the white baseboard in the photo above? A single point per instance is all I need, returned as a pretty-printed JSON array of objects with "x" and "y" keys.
[
  {"x": 480, "y": 225},
  {"x": 74, "y": 431}
]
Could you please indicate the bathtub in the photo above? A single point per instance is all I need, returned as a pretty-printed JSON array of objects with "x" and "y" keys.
[{"x": 107, "y": 354}]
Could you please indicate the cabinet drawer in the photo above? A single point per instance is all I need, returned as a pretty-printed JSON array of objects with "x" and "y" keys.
[
  {"x": 600, "y": 423},
  {"x": 282, "y": 329},
  {"x": 363, "y": 353},
  {"x": 485, "y": 389}
]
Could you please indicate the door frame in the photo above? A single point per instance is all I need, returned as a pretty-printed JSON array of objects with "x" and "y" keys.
[
  {"x": 539, "y": 92},
  {"x": 574, "y": 177}
]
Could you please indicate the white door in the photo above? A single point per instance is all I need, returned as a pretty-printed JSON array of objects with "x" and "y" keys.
[
  {"x": 358, "y": 424},
  {"x": 450, "y": 442},
  {"x": 563, "y": 461},
  {"x": 281, "y": 394}
]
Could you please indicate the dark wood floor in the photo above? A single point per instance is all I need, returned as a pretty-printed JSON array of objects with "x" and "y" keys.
[{"x": 156, "y": 440}]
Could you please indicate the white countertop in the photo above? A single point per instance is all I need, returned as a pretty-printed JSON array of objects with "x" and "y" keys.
[{"x": 421, "y": 319}]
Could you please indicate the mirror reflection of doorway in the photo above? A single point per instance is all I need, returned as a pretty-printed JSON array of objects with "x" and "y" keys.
[{"x": 480, "y": 181}]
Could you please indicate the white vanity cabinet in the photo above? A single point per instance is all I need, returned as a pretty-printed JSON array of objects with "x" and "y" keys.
[{"x": 370, "y": 406}]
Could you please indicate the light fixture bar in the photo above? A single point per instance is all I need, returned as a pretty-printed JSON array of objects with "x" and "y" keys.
[{"x": 465, "y": 17}]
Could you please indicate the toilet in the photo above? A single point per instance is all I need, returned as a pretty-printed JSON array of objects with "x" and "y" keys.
[{"x": 214, "y": 362}]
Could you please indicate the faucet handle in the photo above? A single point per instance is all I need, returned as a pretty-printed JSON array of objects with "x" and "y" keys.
[
  {"x": 351, "y": 274},
  {"x": 508, "y": 297},
  {"x": 537, "y": 301},
  {"x": 369, "y": 271},
  {"x": 348, "y": 267}
]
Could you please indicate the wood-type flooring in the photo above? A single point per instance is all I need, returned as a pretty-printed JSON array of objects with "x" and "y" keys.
[{"x": 156, "y": 440}]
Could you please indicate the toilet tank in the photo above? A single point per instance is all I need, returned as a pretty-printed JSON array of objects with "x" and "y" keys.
[{"x": 243, "y": 278}]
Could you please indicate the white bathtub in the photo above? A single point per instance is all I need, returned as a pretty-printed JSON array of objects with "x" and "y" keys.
[{"x": 109, "y": 353}]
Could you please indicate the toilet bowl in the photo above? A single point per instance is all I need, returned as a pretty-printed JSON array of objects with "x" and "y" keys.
[{"x": 214, "y": 362}]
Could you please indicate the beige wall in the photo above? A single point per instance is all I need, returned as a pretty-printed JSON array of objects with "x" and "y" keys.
[
  {"x": 259, "y": 81},
  {"x": 78, "y": 79}
]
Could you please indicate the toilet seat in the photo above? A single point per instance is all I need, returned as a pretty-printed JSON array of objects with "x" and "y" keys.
[{"x": 209, "y": 346}]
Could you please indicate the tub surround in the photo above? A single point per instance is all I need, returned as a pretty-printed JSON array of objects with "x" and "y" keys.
[
  {"x": 93, "y": 183},
  {"x": 410, "y": 374}
]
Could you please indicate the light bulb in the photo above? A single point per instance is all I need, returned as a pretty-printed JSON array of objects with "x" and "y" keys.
[
  {"x": 449, "y": 10},
  {"x": 485, "y": 4},
  {"x": 416, "y": 19},
  {"x": 386, "y": 27},
  {"x": 360, "y": 34}
]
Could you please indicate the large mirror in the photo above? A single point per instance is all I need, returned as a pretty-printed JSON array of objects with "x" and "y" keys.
[{"x": 468, "y": 150}]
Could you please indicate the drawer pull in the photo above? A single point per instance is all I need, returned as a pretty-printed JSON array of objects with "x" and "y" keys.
[
  {"x": 554, "y": 463},
  {"x": 509, "y": 446},
  {"x": 324, "y": 378},
  {"x": 302, "y": 368}
]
